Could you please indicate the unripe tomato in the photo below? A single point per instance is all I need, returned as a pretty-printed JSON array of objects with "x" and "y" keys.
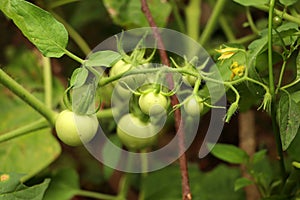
[
  {"x": 152, "y": 103},
  {"x": 189, "y": 80},
  {"x": 119, "y": 68},
  {"x": 73, "y": 129},
  {"x": 277, "y": 21},
  {"x": 136, "y": 134},
  {"x": 194, "y": 106}
]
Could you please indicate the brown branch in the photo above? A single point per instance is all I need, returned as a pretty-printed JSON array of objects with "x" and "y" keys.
[
  {"x": 186, "y": 192},
  {"x": 247, "y": 142}
]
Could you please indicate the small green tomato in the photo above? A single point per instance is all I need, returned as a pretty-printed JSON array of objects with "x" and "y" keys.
[
  {"x": 152, "y": 103},
  {"x": 194, "y": 106},
  {"x": 136, "y": 134},
  {"x": 73, "y": 129},
  {"x": 119, "y": 68},
  {"x": 189, "y": 80}
]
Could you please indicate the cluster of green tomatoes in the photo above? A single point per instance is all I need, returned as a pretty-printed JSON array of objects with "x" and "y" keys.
[{"x": 137, "y": 129}]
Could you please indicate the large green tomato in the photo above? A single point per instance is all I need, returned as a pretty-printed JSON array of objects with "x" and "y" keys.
[
  {"x": 136, "y": 134},
  {"x": 152, "y": 103},
  {"x": 73, "y": 129}
]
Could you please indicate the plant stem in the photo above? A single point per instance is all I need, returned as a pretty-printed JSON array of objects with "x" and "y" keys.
[
  {"x": 124, "y": 186},
  {"x": 281, "y": 76},
  {"x": 246, "y": 39},
  {"x": 280, "y": 13},
  {"x": 250, "y": 21},
  {"x": 27, "y": 97},
  {"x": 74, "y": 35},
  {"x": 73, "y": 56},
  {"x": 272, "y": 92},
  {"x": 56, "y": 4},
  {"x": 205, "y": 36},
  {"x": 106, "y": 113},
  {"x": 177, "y": 16},
  {"x": 192, "y": 13},
  {"x": 47, "y": 81},
  {"x": 95, "y": 195},
  {"x": 227, "y": 29},
  {"x": 29, "y": 128},
  {"x": 186, "y": 192},
  {"x": 270, "y": 47}
]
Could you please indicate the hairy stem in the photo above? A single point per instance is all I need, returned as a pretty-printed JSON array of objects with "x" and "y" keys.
[
  {"x": 186, "y": 192},
  {"x": 272, "y": 92},
  {"x": 27, "y": 97}
]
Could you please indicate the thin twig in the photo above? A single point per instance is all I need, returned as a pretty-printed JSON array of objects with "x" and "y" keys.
[{"x": 186, "y": 192}]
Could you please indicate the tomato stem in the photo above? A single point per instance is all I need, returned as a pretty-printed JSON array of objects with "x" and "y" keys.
[
  {"x": 95, "y": 195},
  {"x": 193, "y": 14},
  {"x": 272, "y": 92},
  {"x": 73, "y": 56},
  {"x": 27, "y": 97},
  {"x": 207, "y": 32},
  {"x": 47, "y": 81},
  {"x": 37, "y": 125},
  {"x": 280, "y": 13}
]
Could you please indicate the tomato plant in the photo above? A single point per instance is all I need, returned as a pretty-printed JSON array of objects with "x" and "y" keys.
[{"x": 249, "y": 49}]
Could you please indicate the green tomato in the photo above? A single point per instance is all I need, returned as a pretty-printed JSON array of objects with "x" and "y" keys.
[
  {"x": 189, "y": 80},
  {"x": 277, "y": 21},
  {"x": 119, "y": 68},
  {"x": 152, "y": 103},
  {"x": 194, "y": 106},
  {"x": 73, "y": 129},
  {"x": 136, "y": 134}
]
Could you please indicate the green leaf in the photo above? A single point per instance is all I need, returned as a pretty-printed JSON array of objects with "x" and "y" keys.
[
  {"x": 39, "y": 26},
  {"x": 296, "y": 96},
  {"x": 252, "y": 2},
  {"x": 230, "y": 153},
  {"x": 16, "y": 190},
  {"x": 256, "y": 48},
  {"x": 129, "y": 14},
  {"x": 288, "y": 2},
  {"x": 64, "y": 185},
  {"x": 79, "y": 77},
  {"x": 33, "y": 152},
  {"x": 241, "y": 183},
  {"x": 102, "y": 58},
  {"x": 289, "y": 119},
  {"x": 258, "y": 156},
  {"x": 29, "y": 154},
  {"x": 9, "y": 182}
]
